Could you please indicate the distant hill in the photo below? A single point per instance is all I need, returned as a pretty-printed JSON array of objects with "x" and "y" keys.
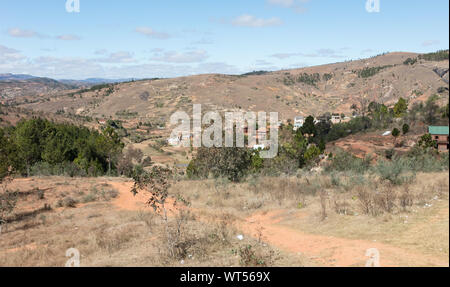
[
  {"x": 306, "y": 91},
  {"x": 16, "y": 85},
  {"x": 93, "y": 81},
  {"x": 11, "y": 77}
]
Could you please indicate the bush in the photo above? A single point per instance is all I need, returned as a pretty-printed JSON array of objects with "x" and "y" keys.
[
  {"x": 232, "y": 163},
  {"x": 344, "y": 161},
  {"x": 405, "y": 129},
  {"x": 394, "y": 171},
  {"x": 69, "y": 202},
  {"x": 249, "y": 257}
]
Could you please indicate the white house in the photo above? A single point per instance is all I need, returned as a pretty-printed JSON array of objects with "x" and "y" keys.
[
  {"x": 298, "y": 122},
  {"x": 335, "y": 118},
  {"x": 259, "y": 146}
]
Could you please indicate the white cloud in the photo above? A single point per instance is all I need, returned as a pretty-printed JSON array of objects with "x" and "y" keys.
[
  {"x": 296, "y": 5},
  {"x": 118, "y": 57},
  {"x": 101, "y": 52},
  {"x": 367, "y": 51},
  {"x": 149, "y": 32},
  {"x": 9, "y": 55},
  {"x": 320, "y": 53},
  {"x": 195, "y": 56},
  {"x": 262, "y": 63},
  {"x": 284, "y": 3},
  {"x": 251, "y": 21},
  {"x": 20, "y": 33},
  {"x": 68, "y": 37},
  {"x": 430, "y": 43},
  {"x": 283, "y": 56}
]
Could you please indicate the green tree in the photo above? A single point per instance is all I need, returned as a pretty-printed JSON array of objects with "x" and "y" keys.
[
  {"x": 395, "y": 134},
  {"x": 430, "y": 110},
  {"x": 312, "y": 153},
  {"x": 405, "y": 129},
  {"x": 111, "y": 144},
  {"x": 230, "y": 162},
  {"x": 426, "y": 142},
  {"x": 29, "y": 138},
  {"x": 400, "y": 108},
  {"x": 309, "y": 127}
]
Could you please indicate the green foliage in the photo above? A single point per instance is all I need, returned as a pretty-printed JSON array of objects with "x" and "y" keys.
[
  {"x": 312, "y": 153},
  {"x": 255, "y": 73},
  {"x": 431, "y": 110},
  {"x": 395, "y": 132},
  {"x": 327, "y": 77},
  {"x": 410, "y": 61},
  {"x": 442, "y": 90},
  {"x": 229, "y": 162},
  {"x": 309, "y": 126},
  {"x": 394, "y": 171},
  {"x": 59, "y": 148},
  {"x": 427, "y": 160},
  {"x": 405, "y": 128},
  {"x": 372, "y": 71},
  {"x": 379, "y": 114},
  {"x": 441, "y": 55},
  {"x": 400, "y": 108},
  {"x": 426, "y": 142},
  {"x": 344, "y": 161},
  {"x": 309, "y": 79}
]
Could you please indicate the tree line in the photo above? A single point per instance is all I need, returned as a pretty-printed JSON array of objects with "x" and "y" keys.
[{"x": 35, "y": 141}]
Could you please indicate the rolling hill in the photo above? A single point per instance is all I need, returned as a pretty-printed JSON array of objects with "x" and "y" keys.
[{"x": 312, "y": 90}]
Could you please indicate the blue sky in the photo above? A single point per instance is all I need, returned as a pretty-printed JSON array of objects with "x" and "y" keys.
[{"x": 156, "y": 38}]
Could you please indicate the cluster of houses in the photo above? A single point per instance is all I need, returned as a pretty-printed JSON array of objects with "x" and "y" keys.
[
  {"x": 299, "y": 121},
  {"x": 439, "y": 133}
]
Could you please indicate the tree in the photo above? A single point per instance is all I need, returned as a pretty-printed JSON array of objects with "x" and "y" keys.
[
  {"x": 400, "y": 108},
  {"x": 112, "y": 144},
  {"x": 28, "y": 138},
  {"x": 395, "y": 133},
  {"x": 312, "y": 153},
  {"x": 363, "y": 102},
  {"x": 127, "y": 161},
  {"x": 230, "y": 162},
  {"x": 156, "y": 183},
  {"x": 426, "y": 142},
  {"x": 7, "y": 199},
  {"x": 430, "y": 110},
  {"x": 405, "y": 129},
  {"x": 445, "y": 112},
  {"x": 308, "y": 127}
]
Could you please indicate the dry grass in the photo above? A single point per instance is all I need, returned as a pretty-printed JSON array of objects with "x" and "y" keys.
[{"x": 415, "y": 219}]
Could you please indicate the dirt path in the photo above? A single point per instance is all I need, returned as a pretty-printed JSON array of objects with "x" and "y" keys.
[
  {"x": 328, "y": 250},
  {"x": 324, "y": 250}
]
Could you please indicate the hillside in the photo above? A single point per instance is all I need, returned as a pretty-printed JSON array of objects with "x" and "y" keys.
[
  {"x": 312, "y": 90},
  {"x": 12, "y": 86}
]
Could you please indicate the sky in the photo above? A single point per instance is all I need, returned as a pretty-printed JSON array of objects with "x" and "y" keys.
[{"x": 168, "y": 38}]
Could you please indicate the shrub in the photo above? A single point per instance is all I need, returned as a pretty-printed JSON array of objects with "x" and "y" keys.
[
  {"x": 393, "y": 171},
  {"x": 232, "y": 163},
  {"x": 69, "y": 202},
  {"x": 249, "y": 257},
  {"x": 405, "y": 129},
  {"x": 344, "y": 161}
]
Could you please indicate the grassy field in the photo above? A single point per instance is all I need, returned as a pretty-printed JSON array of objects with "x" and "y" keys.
[{"x": 304, "y": 220}]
